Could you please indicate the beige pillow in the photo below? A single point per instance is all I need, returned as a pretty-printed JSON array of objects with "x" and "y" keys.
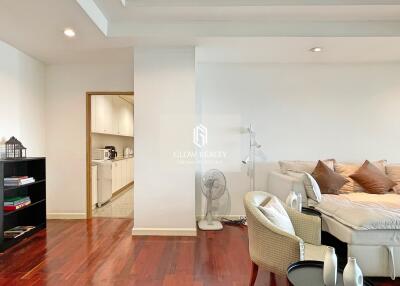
[
  {"x": 303, "y": 166},
  {"x": 274, "y": 211},
  {"x": 372, "y": 179},
  {"x": 393, "y": 172},
  {"x": 347, "y": 169}
]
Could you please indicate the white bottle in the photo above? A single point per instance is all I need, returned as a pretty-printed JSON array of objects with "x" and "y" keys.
[
  {"x": 330, "y": 267},
  {"x": 292, "y": 200},
  {"x": 352, "y": 275},
  {"x": 299, "y": 202}
]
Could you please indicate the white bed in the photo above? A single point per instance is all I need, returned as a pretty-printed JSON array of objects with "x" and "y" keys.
[
  {"x": 370, "y": 225},
  {"x": 363, "y": 211}
]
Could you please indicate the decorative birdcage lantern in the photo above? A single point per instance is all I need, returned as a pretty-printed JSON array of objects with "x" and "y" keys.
[{"x": 15, "y": 149}]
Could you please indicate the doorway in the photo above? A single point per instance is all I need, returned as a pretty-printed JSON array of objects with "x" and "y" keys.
[{"x": 109, "y": 154}]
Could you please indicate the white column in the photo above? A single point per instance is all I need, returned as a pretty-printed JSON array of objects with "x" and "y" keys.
[{"x": 164, "y": 193}]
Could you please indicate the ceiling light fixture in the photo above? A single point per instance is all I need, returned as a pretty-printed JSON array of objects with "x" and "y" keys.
[
  {"x": 70, "y": 33},
  {"x": 316, "y": 49}
]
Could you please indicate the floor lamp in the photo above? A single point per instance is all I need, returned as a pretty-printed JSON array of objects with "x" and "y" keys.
[{"x": 250, "y": 160}]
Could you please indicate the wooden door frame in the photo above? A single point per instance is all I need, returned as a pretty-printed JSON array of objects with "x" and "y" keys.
[{"x": 89, "y": 95}]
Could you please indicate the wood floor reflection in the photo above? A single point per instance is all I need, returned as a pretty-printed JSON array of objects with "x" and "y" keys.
[{"x": 103, "y": 252}]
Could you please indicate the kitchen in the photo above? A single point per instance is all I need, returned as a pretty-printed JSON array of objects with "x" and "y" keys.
[{"x": 112, "y": 137}]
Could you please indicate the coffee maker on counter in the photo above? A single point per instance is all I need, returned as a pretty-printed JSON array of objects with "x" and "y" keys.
[{"x": 113, "y": 152}]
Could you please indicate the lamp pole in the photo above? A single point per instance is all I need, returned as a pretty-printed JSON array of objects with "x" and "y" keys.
[{"x": 253, "y": 145}]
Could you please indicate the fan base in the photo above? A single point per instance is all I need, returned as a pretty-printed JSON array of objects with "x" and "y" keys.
[{"x": 215, "y": 225}]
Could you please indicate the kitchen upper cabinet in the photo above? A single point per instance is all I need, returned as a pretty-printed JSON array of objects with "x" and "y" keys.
[
  {"x": 130, "y": 120},
  {"x": 117, "y": 105},
  {"x": 93, "y": 113},
  {"x": 112, "y": 115},
  {"x": 103, "y": 114},
  {"x": 124, "y": 118}
]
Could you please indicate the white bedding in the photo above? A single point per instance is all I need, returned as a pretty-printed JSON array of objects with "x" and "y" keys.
[{"x": 362, "y": 211}]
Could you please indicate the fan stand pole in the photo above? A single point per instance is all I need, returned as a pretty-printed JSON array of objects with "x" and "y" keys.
[
  {"x": 209, "y": 216},
  {"x": 208, "y": 223}
]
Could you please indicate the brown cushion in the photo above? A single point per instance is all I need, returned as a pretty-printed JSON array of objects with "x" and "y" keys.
[
  {"x": 372, "y": 179},
  {"x": 347, "y": 169},
  {"x": 329, "y": 182}
]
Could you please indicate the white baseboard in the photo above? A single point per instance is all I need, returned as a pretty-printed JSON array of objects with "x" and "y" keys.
[
  {"x": 164, "y": 231},
  {"x": 66, "y": 216}
]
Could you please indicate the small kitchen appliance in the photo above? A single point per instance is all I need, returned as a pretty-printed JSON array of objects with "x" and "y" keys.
[
  {"x": 128, "y": 152},
  {"x": 101, "y": 154},
  {"x": 113, "y": 152}
]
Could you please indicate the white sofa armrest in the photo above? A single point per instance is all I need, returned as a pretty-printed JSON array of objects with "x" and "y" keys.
[{"x": 281, "y": 185}]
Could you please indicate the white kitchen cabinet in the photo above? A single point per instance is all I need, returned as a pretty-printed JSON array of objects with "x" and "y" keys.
[
  {"x": 130, "y": 120},
  {"x": 124, "y": 178},
  {"x": 116, "y": 111},
  {"x": 125, "y": 120},
  {"x": 103, "y": 114},
  {"x": 112, "y": 115},
  {"x": 93, "y": 113},
  {"x": 116, "y": 176},
  {"x": 94, "y": 186},
  {"x": 129, "y": 170},
  {"x": 121, "y": 173},
  {"x": 133, "y": 170},
  {"x": 111, "y": 177},
  {"x": 104, "y": 182}
]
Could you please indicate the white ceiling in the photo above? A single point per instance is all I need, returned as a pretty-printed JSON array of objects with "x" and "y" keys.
[
  {"x": 114, "y": 11},
  {"x": 222, "y": 30},
  {"x": 296, "y": 50},
  {"x": 36, "y": 27}
]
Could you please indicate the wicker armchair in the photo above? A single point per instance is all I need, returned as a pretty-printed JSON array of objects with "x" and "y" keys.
[{"x": 273, "y": 249}]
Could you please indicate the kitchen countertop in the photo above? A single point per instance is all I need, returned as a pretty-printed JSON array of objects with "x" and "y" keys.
[
  {"x": 95, "y": 162},
  {"x": 121, "y": 158}
]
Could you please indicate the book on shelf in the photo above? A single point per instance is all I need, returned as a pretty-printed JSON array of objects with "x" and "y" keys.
[
  {"x": 16, "y": 207},
  {"x": 16, "y": 177},
  {"x": 17, "y": 231},
  {"x": 13, "y": 201},
  {"x": 18, "y": 181}
]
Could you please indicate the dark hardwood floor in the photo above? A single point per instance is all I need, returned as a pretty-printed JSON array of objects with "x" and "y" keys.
[{"x": 103, "y": 252}]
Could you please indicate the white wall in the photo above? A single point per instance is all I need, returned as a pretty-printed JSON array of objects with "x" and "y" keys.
[
  {"x": 99, "y": 141},
  {"x": 164, "y": 119},
  {"x": 22, "y": 95},
  {"x": 66, "y": 86},
  {"x": 305, "y": 112}
]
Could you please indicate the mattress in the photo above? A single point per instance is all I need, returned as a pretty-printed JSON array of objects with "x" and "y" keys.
[
  {"x": 362, "y": 211},
  {"x": 360, "y": 237},
  {"x": 363, "y": 221}
]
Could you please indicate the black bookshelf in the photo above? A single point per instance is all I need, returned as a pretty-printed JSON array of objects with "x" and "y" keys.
[{"x": 30, "y": 215}]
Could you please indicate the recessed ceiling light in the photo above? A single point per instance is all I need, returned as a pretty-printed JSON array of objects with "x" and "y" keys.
[
  {"x": 70, "y": 33},
  {"x": 316, "y": 49}
]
